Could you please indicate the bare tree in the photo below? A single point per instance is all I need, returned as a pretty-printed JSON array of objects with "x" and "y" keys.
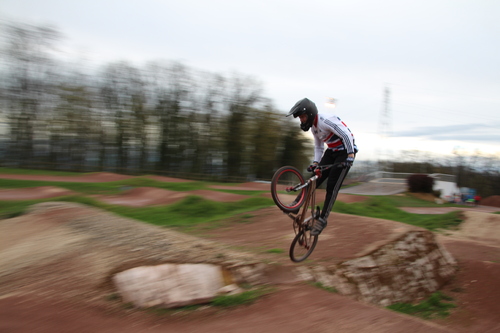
[
  {"x": 72, "y": 125},
  {"x": 123, "y": 95},
  {"x": 29, "y": 75},
  {"x": 206, "y": 123},
  {"x": 125, "y": 117},
  {"x": 265, "y": 140},
  {"x": 243, "y": 95},
  {"x": 172, "y": 87}
]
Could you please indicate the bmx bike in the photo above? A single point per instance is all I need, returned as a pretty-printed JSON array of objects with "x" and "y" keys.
[{"x": 296, "y": 196}]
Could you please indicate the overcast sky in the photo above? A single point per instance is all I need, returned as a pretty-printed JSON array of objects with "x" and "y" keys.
[{"x": 439, "y": 59}]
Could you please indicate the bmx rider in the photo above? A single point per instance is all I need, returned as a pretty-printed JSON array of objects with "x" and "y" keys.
[{"x": 341, "y": 148}]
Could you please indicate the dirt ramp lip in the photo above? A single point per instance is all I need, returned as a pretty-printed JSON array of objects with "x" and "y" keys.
[
  {"x": 479, "y": 226},
  {"x": 143, "y": 196},
  {"x": 249, "y": 186},
  {"x": 219, "y": 196},
  {"x": 105, "y": 177},
  {"x": 494, "y": 201},
  {"x": 151, "y": 196},
  {"x": 34, "y": 193},
  {"x": 169, "y": 179},
  {"x": 135, "y": 197}
]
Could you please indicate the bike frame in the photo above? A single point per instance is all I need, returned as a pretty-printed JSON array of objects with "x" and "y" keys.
[
  {"x": 303, "y": 243},
  {"x": 299, "y": 219}
]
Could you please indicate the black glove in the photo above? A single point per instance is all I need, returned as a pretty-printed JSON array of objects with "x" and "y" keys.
[
  {"x": 312, "y": 167},
  {"x": 349, "y": 161}
]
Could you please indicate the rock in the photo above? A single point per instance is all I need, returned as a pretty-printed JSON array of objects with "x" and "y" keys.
[
  {"x": 406, "y": 268},
  {"x": 170, "y": 285}
]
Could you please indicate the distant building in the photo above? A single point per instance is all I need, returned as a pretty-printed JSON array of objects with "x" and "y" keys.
[{"x": 446, "y": 184}]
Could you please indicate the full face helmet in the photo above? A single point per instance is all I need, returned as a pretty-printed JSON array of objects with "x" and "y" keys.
[{"x": 304, "y": 106}]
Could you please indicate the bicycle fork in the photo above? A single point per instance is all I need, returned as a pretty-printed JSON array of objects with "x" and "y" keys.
[{"x": 299, "y": 221}]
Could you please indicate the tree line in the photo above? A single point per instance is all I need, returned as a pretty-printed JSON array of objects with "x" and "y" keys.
[{"x": 162, "y": 117}]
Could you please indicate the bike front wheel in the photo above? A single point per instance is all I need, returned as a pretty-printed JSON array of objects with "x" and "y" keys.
[
  {"x": 283, "y": 189},
  {"x": 302, "y": 245}
]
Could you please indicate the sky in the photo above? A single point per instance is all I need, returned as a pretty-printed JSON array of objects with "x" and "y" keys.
[{"x": 406, "y": 75}]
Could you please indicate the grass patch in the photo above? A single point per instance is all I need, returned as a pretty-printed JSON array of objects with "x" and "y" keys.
[
  {"x": 241, "y": 192},
  {"x": 385, "y": 208},
  {"x": 246, "y": 297},
  {"x": 433, "y": 307},
  {"x": 119, "y": 186},
  {"x": 275, "y": 251},
  {"x": 188, "y": 212},
  {"x": 322, "y": 286},
  {"x": 105, "y": 187},
  {"x": 160, "y": 311},
  {"x": 194, "y": 210},
  {"x": 10, "y": 209},
  {"x": 245, "y": 218}
]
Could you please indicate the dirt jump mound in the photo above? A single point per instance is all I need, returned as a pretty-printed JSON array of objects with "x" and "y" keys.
[
  {"x": 493, "y": 201},
  {"x": 70, "y": 252},
  {"x": 57, "y": 232},
  {"x": 34, "y": 193},
  {"x": 151, "y": 196}
]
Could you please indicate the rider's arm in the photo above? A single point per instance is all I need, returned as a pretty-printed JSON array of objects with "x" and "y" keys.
[{"x": 319, "y": 147}]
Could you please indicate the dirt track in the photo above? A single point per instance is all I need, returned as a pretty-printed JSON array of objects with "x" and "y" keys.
[{"x": 39, "y": 308}]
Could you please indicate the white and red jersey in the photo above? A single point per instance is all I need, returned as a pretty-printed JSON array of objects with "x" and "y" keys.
[{"x": 333, "y": 132}]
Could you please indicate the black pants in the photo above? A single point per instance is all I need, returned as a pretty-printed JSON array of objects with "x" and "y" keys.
[{"x": 335, "y": 178}]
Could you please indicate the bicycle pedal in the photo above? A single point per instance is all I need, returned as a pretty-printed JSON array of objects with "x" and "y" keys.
[{"x": 318, "y": 212}]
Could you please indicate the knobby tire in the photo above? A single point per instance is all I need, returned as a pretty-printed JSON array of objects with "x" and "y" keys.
[
  {"x": 302, "y": 246},
  {"x": 284, "y": 177}
]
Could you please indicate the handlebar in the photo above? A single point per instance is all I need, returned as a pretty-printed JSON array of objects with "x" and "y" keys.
[
  {"x": 316, "y": 174},
  {"x": 320, "y": 168}
]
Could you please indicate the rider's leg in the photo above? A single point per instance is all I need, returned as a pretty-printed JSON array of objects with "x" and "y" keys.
[
  {"x": 325, "y": 160},
  {"x": 336, "y": 177},
  {"x": 335, "y": 181}
]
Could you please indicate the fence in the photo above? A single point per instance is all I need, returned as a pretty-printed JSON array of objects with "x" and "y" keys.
[{"x": 402, "y": 175}]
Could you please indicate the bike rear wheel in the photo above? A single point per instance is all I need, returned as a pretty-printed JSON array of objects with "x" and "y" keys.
[
  {"x": 282, "y": 184},
  {"x": 302, "y": 245}
]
